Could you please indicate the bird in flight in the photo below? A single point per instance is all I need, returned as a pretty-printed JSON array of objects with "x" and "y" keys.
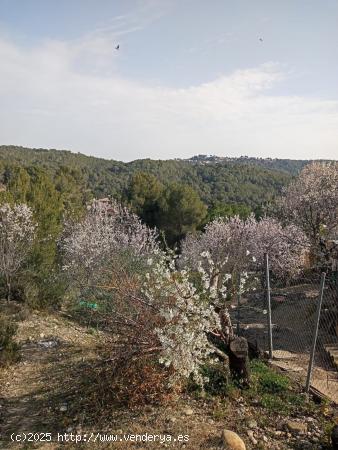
[
  {"x": 117, "y": 47},
  {"x": 261, "y": 39}
]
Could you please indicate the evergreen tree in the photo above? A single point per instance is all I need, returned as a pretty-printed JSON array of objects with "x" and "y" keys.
[
  {"x": 225, "y": 210},
  {"x": 69, "y": 182},
  {"x": 183, "y": 212},
  {"x": 146, "y": 197}
]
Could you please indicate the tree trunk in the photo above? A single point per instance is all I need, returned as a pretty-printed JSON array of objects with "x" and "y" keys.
[
  {"x": 236, "y": 347},
  {"x": 239, "y": 360},
  {"x": 8, "y": 283},
  {"x": 226, "y": 326}
]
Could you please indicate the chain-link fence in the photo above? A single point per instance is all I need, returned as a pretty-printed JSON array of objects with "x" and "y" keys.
[
  {"x": 304, "y": 322},
  {"x": 325, "y": 372}
]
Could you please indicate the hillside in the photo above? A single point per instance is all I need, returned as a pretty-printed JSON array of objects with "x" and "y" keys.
[
  {"x": 249, "y": 181},
  {"x": 55, "y": 390},
  {"x": 289, "y": 166}
]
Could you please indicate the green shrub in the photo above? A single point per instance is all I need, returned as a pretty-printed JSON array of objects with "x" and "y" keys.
[
  {"x": 218, "y": 376},
  {"x": 276, "y": 404},
  {"x": 43, "y": 291},
  {"x": 8, "y": 347},
  {"x": 265, "y": 379},
  {"x": 275, "y": 391},
  {"x": 269, "y": 381},
  {"x": 218, "y": 383}
]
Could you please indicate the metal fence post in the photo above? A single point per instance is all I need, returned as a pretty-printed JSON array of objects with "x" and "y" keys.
[
  {"x": 268, "y": 300},
  {"x": 238, "y": 303},
  {"x": 315, "y": 334}
]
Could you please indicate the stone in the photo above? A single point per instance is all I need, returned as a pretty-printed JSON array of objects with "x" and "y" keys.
[
  {"x": 310, "y": 419},
  {"x": 296, "y": 427},
  {"x": 252, "y": 438},
  {"x": 252, "y": 423},
  {"x": 48, "y": 344},
  {"x": 188, "y": 412},
  {"x": 231, "y": 441}
]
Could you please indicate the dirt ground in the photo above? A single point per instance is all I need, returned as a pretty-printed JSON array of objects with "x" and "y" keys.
[{"x": 45, "y": 392}]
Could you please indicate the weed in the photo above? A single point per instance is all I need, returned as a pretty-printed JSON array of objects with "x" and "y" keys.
[
  {"x": 275, "y": 403},
  {"x": 275, "y": 391}
]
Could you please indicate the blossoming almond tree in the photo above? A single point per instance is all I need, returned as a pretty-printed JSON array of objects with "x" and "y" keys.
[
  {"x": 285, "y": 245},
  {"x": 237, "y": 245},
  {"x": 195, "y": 327},
  {"x": 156, "y": 311},
  {"x": 311, "y": 201},
  {"x": 226, "y": 243},
  {"x": 90, "y": 246},
  {"x": 17, "y": 232},
  {"x": 229, "y": 255},
  {"x": 188, "y": 318},
  {"x": 166, "y": 316}
]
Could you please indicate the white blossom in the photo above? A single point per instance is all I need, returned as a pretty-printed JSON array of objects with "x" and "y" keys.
[
  {"x": 311, "y": 203},
  {"x": 187, "y": 318},
  {"x": 107, "y": 229},
  {"x": 238, "y": 246},
  {"x": 17, "y": 232}
]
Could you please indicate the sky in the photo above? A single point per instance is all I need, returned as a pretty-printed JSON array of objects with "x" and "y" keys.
[{"x": 222, "y": 77}]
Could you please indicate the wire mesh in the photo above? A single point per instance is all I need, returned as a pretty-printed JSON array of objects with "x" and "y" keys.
[
  {"x": 294, "y": 306},
  {"x": 248, "y": 312},
  {"x": 325, "y": 373},
  {"x": 294, "y": 302}
]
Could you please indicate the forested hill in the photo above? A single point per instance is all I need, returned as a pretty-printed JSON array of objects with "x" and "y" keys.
[
  {"x": 290, "y": 166},
  {"x": 249, "y": 181}
]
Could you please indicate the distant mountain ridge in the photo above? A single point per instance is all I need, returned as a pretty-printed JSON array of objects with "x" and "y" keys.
[
  {"x": 245, "y": 180},
  {"x": 291, "y": 166}
]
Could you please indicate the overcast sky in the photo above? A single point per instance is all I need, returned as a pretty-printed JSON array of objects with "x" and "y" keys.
[{"x": 224, "y": 77}]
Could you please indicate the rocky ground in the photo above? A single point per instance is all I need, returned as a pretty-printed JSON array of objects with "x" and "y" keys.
[{"x": 45, "y": 392}]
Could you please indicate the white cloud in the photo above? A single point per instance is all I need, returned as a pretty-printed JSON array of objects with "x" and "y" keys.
[{"x": 51, "y": 97}]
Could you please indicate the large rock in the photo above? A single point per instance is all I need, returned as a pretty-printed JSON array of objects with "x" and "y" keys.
[
  {"x": 231, "y": 441},
  {"x": 296, "y": 427}
]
